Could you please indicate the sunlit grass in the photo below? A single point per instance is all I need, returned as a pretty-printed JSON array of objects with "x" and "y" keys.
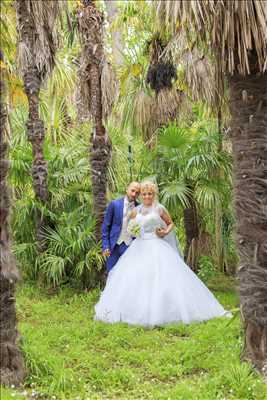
[{"x": 70, "y": 356}]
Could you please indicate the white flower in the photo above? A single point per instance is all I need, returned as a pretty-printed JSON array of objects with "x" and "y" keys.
[{"x": 134, "y": 228}]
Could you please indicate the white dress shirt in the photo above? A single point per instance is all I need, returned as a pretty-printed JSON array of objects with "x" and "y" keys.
[{"x": 125, "y": 237}]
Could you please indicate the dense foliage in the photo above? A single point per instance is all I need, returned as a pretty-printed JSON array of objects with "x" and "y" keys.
[
  {"x": 186, "y": 148},
  {"x": 102, "y": 93}
]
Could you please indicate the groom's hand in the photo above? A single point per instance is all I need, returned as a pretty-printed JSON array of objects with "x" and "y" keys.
[{"x": 106, "y": 253}]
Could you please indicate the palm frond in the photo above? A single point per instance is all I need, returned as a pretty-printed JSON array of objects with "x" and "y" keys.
[
  {"x": 233, "y": 28},
  {"x": 169, "y": 102},
  {"x": 42, "y": 16},
  {"x": 63, "y": 78},
  {"x": 175, "y": 137},
  {"x": 175, "y": 193},
  {"x": 209, "y": 192},
  {"x": 204, "y": 161},
  {"x": 197, "y": 67},
  {"x": 142, "y": 109},
  {"x": 52, "y": 267}
]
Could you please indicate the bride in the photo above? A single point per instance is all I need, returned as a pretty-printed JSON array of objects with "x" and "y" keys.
[{"x": 150, "y": 284}]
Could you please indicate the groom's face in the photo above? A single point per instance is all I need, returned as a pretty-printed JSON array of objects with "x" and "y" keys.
[{"x": 133, "y": 191}]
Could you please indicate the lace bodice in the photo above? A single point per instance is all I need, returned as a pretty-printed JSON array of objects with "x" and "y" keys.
[{"x": 149, "y": 218}]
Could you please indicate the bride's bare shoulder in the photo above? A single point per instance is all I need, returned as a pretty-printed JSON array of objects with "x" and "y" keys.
[
  {"x": 164, "y": 214},
  {"x": 161, "y": 209}
]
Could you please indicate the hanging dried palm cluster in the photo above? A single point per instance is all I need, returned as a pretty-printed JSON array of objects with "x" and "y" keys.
[
  {"x": 97, "y": 84},
  {"x": 161, "y": 73},
  {"x": 161, "y": 76}
]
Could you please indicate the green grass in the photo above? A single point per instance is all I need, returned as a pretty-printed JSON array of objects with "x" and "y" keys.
[{"x": 70, "y": 356}]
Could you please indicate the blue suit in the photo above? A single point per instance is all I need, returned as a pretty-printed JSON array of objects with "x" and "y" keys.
[{"x": 111, "y": 229}]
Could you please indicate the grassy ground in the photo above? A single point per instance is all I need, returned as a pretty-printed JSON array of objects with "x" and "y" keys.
[{"x": 69, "y": 356}]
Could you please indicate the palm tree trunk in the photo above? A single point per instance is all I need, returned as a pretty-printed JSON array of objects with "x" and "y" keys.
[
  {"x": 218, "y": 207},
  {"x": 90, "y": 23},
  {"x": 191, "y": 226},
  {"x": 35, "y": 126},
  {"x": 248, "y": 105},
  {"x": 100, "y": 152},
  {"x": 12, "y": 369}
]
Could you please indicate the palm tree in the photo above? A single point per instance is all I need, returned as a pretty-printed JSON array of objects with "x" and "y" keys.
[
  {"x": 36, "y": 50},
  {"x": 186, "y": 159},
  {"x": 235, "y": 33},
  {"x": 11, "y": 362},
  {"x": 149, "y": 95},
  {"x": 92, "y": 76}
]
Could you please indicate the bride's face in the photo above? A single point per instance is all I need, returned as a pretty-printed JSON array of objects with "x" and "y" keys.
[{"x": 148, "y": 197}]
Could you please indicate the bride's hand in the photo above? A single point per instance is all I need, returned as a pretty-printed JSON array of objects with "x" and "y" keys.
[{"x": 161, "y": 232}]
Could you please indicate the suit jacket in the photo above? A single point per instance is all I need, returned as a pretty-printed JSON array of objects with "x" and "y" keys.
[{"x": 112, "y": 224}]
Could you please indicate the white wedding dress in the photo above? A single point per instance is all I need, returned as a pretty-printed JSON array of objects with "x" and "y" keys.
[{"x": 151, "y": 285}]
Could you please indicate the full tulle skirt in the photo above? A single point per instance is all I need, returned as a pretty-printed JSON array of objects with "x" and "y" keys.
[{"x": 151, "y": 285}]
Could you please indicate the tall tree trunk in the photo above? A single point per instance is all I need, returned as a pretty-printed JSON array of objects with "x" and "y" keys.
[
  {"x": 117, "y": 40},
  {"x": 191, "y": 226},
  {"x": 90, "y": 23},
  {"x": 218, "y": 207},
  {"x": 37, "y": 48},
  {"x": 35, "y": 126},
  {"x": 248, "y": 106},
  {"x": 12, "y": 369},
  {"x": 100, "y": 151}
]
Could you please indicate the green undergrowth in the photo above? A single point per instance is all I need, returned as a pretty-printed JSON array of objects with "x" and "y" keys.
[{"x": 70, "y": 356}]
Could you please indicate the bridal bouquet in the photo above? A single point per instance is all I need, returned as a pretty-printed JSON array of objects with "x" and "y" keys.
[{"x": 134, "y": 228}]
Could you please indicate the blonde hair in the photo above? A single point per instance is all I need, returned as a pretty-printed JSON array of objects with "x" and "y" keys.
[{"x": 149, "y": 185}]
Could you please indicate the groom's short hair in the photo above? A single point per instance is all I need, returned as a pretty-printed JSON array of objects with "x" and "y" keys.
[{"x": 133, "y": 183}]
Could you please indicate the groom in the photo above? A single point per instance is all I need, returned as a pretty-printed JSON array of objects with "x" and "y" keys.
[{"x": 115, "y": 238}]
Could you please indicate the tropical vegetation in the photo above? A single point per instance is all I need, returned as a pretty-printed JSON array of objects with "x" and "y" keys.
[{"x": 95, "y": 94}]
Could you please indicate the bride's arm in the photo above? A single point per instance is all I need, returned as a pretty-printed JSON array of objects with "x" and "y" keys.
[{"x": 165, "y": 216}]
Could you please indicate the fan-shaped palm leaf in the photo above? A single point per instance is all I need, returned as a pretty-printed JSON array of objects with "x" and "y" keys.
[
  {"x": 175, "y": 193},
  {"x": 175, "y": 137},
  {"x": 209, "y": 192}
]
